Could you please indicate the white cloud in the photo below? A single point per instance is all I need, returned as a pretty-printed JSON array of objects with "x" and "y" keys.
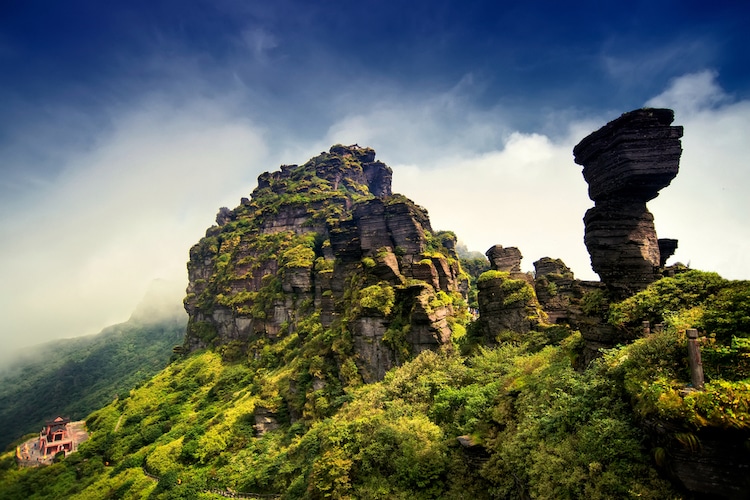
[
  {"x": 527, "y": 194},
  {"x": 706, "y": 206},
  {"x": 630, "y": 63},
  {"x": 492, "y": 185},
  {"x": 259, "y": 42},
  {"x": 691, "y": 93},
  {"x": 83, "y": 250}
]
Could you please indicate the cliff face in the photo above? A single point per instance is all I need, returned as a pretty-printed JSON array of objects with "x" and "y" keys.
[{"x": 325, "y": 246}]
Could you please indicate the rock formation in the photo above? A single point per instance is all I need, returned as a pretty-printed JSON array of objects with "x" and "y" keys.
[
  {"x": 508, "y": 306},
  {"x": 557, "y": 290},
  {"x": 325, "y": 249},
  {"x": 626, "y": 163},
  {"x": 505, "y": 259}
]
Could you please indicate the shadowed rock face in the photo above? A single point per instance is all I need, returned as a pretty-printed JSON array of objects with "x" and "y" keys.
[
  {"x": 506, "y": 300},
  {"x": 626, "y": 163},
  {"x": 557, "y": 290}
]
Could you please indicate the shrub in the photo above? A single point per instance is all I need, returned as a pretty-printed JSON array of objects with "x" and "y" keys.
[
  {"x": 491, "y": 275},
  {"x": 377, "y": 297},
  {"x": 668, "y": 295},
  {"x": 728, "y": 312},
  {"x": 297, "y": 256}
]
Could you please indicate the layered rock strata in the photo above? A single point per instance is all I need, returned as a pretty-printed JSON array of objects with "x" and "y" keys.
[
  {"x": 326, "y": 247},
  {"x": 505, "y": 259},
  {"x": 626, "y": 163}
]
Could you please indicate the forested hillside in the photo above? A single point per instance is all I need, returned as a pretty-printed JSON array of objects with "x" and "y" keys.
[{"x": 73, "y": 377}]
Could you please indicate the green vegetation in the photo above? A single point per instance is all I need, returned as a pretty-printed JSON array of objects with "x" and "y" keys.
[
  {"x": 472, "y": 265},
  {"x": 544, "y": 430},
  {"x": 378, "y": 297},
  {"x": 298, "y": 256},
  {"x": 548, "y": 431},
  {"x": 654, "y": 373},
  {"x": 515, "y": 292},
  {"x": 492, "y": 275},
  {"x": 654, "y": 369}
]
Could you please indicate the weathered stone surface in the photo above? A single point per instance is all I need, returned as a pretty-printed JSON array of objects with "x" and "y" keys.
[
  {"x": 429, "y": 325},
  {"x": 557, "y": 290},
  {"x": 714, "y": 464},
  {"x": 375, "y": 357},
  {"x": 667, "y": 248},
  {"x": 297, "y": 280},
  {"x": 626, "y": 163},
  {"x": 265, "y": 420},
  {"x": 632, "y": 157},
  {"x": 621, "y": 239},
  {"x": 224, "y": 216},
  {"x": 505, "y": 259}
]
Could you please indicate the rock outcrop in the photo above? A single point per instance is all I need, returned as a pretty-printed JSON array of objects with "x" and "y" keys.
[
  {"x": 325, "y": 249},
  {"x": 708, "y": 462},
  {"x": 557, "y": 290},
  {"x": 508, "y": 306},
  {"x": 626, "y": 163},
  {"x": 505, "y": 259}
]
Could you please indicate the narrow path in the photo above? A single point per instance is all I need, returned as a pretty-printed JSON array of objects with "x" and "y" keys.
[{"x": 117, "y": 425}]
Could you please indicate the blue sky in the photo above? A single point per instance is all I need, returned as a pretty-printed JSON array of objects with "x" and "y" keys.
[{"x": 124, "y": 126}]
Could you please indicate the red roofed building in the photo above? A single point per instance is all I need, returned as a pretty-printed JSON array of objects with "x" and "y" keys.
[{"x": 55, "y": 437}]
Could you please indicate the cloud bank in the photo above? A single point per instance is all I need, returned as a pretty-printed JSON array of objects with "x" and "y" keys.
[{"x": 86, "y": 245}]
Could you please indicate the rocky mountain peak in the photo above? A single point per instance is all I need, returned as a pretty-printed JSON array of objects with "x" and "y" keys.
[
  {"x": 352, "y": 167},
  {"x": 325, "y": 250}
]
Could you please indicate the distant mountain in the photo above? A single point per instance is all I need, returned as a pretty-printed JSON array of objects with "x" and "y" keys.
[{"x": 73, "y": 377}]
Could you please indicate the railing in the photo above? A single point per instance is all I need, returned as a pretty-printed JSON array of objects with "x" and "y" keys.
[{"x": 240, "y": 494}]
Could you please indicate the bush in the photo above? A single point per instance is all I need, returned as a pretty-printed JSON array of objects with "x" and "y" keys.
[
  {"x": 666, "y": 296},
  {"x": 727, "y": 313},
  {"x": 298, "y": 256},
  {"x": 378, "y": 298},
  {"x": 491, "y": 275}
]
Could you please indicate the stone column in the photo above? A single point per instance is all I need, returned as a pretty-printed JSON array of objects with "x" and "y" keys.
[
  {"x": 626, "y": 163},
  {"x": 694, "y": 359}
]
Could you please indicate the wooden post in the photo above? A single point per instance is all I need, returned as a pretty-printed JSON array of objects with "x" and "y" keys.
[
  {"x": 694, "y": 359},
  {"x": 659, "y": 327},
  {"x": 646, "y": 328}
]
